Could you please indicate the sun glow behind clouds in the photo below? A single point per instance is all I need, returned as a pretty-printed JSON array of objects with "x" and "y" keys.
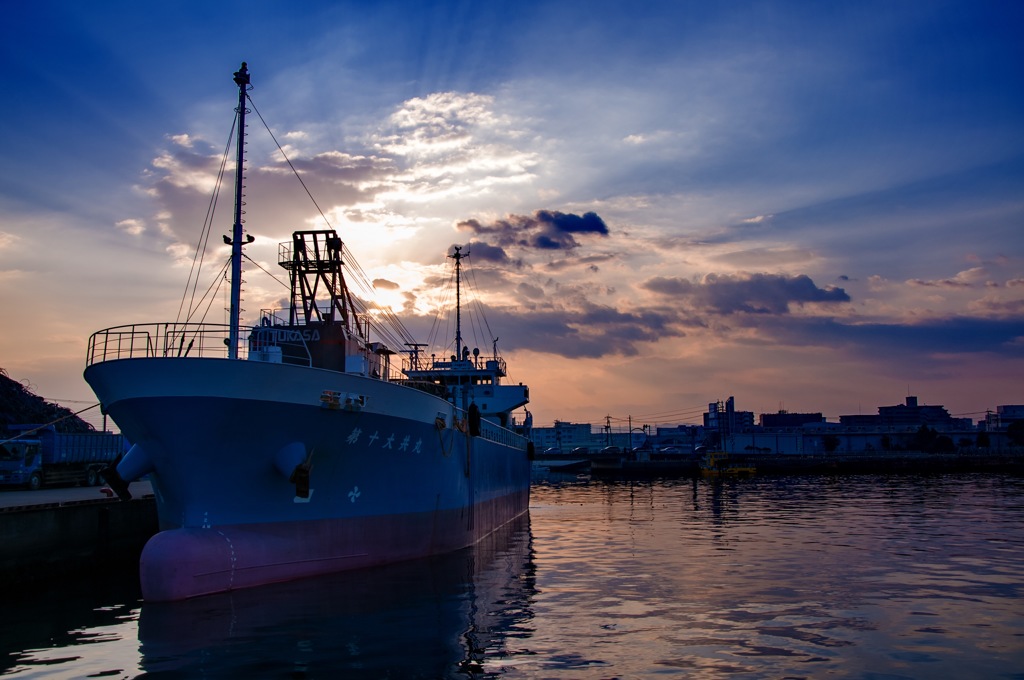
[
  {"x": 766, "y": 156},
  {"x": 438, "y": 159}
]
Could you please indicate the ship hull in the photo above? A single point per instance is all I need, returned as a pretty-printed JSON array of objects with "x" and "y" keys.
[{"x": 392, "y": 475}]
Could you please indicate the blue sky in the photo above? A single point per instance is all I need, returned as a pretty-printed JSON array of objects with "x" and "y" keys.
[{"x": 810, "y": 206}]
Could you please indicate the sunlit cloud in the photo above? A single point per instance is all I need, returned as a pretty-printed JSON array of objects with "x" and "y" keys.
[
  {"x": 133, "y": 227},
  {"x": 183, "y": 140},
  {"x": 732, "y": 182},
  {"x": 965, "y": 279}
]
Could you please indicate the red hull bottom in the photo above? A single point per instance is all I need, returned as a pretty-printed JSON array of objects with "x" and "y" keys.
[{"x": 182, "y": 563}]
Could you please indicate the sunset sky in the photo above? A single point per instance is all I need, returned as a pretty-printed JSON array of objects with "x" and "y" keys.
[{"x": 809, "y": 206}]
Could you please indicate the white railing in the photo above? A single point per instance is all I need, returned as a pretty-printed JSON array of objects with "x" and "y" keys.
[{"x": 160, "y": 340}]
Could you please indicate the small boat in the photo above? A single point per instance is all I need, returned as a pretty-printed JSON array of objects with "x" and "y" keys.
[
  {"x": 293, "y": 446},
  {"x": 718, "y": 464}
]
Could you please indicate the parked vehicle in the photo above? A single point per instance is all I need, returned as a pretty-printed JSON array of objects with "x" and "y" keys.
[{"x": 42, "y": 456}]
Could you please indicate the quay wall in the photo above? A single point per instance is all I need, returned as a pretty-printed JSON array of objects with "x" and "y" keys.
[
  {"x": 831, "y": 464},
  {"x": 73, "y": 539}
]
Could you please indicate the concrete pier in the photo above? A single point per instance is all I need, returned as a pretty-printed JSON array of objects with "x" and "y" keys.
[{"x": 72, "y": 532}]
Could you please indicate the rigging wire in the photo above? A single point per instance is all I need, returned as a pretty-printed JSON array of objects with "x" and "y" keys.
[
  {"x": 260, "y": 267},
  {"x": 204, "y": 236},
  {"x": 359, "y": 276},
  {"x": 379, "y": 318},
  {"x": 434, "y": 336},
  {"x": 478, "y": 304},
  {"x": 219, "y": 280}
]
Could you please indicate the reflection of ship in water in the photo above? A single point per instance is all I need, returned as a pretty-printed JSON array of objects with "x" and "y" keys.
[{"x": 430, "y": 618}]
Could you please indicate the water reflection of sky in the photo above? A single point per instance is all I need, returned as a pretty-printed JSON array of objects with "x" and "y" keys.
[{"x": 772, "y": 577}]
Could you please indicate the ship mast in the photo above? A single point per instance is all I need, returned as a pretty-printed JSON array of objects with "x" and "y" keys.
[
  {"x": 242, "y": 80},
  {"x": 458, "y": 300}
]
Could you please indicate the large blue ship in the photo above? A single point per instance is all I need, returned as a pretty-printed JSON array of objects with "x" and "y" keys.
[{"x": 295, "y": 447}]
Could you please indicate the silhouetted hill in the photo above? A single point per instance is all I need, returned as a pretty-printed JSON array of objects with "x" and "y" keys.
[{"x": 18, "y": 405}]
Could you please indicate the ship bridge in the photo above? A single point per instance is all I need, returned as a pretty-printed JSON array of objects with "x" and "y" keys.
[{"x": 472, "y": 381}]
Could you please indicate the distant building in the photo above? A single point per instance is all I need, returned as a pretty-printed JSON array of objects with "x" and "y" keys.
[
  {"x": 909, "y": 416},
  {"x": 726, "y": 420},
  {"x": 683, "y": 437},
  {"x": 784, "y": 419},
  {"x": 860, "y": 420},
  {"x": 1003, "y": 416},
  {"x": 912, "y": 414},
  {"x": 893, "y": 428},
  {"x": 996, "y": 424},
  {"x": 563, "y": 436}
]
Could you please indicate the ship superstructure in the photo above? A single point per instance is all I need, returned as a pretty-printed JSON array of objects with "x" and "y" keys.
[{"x": 294, "y": 446}]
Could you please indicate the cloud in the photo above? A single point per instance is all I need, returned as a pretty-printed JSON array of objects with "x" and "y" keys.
[
  {"x": 1007, "y": 308},
  {"x": 591, "y": 262},
  {"x": 925, "y": 342},
  {"x": 589, "y": 330},
  {"x": 668, "y": 285},
  {"x": 544, "y": 230},
  {"x": 776, "y": 257},
  {"x": 530, "y": 291},
  {"x": 438, "y": 123},
  {"x": 965, "y": 279},
  {"x": 384, "y": 284},
  {"x": 747, "y": 293},
  {"x": 455, "y": 146},
  {"x": 133, "y": 227}
]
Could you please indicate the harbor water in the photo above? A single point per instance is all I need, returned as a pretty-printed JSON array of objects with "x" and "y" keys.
[{"x": 901, "y": 576}]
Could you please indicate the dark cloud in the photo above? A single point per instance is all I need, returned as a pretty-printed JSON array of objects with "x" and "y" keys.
[
  {"x": 752, "y": 294},
  {"x": 484, "y": 252},
  {"x": 544, "y": 230},
  {"x": 941, "y": 283},
  {"x": 593, "y": 331},
  {"x": 1001, "y": 308},
  {"x": 570, "y": 223},
  {"x": 530, "y": 291},
  {"x": 911, "y": 344},
  {"x": 591, "y": 260},
  {"x": 587, "y": 331},
  {"x": 668, "y": 285},
  {"x": 566, "y": 322},
  {"x": 384, "y": 284}
]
